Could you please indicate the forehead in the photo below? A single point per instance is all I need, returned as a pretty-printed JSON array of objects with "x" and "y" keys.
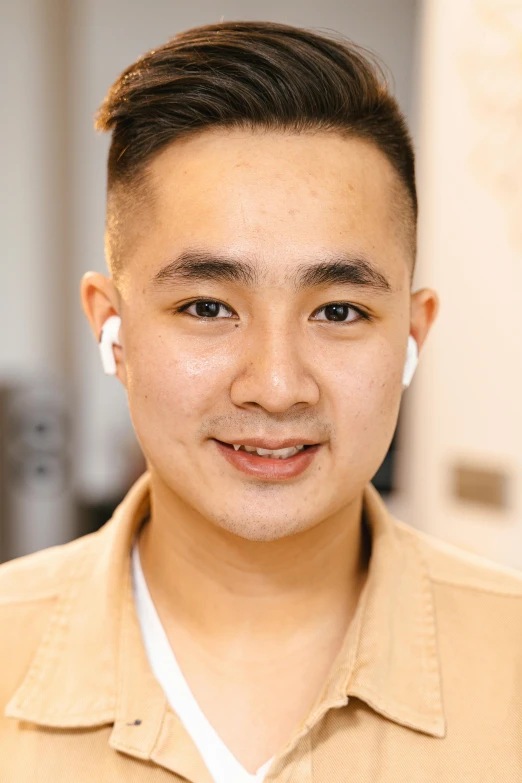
[{"x": 279, "y": 197}]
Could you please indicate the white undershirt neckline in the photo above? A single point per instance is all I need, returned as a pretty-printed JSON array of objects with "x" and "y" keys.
[{"x": 222, "y": 764}]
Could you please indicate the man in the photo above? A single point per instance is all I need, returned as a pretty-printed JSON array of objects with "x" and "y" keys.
[{"x": 252, "y": 611}]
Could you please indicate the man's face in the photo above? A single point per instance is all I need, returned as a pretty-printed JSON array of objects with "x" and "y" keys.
[{"x": 263, "y": 331}]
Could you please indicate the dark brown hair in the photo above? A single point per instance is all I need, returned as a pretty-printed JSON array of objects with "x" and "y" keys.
[{"x": 252, "y": 75}]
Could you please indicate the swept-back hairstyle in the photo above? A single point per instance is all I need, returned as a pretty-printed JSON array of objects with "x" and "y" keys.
[{"x": 252, "y": 75}]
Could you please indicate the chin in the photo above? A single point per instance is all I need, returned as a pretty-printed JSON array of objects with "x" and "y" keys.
[{"x": 252, "y": 526}]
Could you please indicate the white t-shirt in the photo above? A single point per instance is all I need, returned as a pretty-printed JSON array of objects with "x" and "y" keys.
[{"x": 222, "y": 764}]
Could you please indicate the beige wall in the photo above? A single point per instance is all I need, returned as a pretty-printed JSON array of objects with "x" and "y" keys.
[{"x": 466, "y": 397}]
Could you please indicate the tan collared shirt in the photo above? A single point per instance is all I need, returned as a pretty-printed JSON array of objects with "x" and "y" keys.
[{"x": 427, "y": 686}]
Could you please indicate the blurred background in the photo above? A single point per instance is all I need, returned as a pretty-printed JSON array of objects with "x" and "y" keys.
[{"x": 68, "y": 453}]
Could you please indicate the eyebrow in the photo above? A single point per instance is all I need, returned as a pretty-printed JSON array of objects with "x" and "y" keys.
[{"x": 194, "y": 265}]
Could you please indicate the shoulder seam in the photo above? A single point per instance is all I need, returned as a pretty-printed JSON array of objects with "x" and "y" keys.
[{"x": 428, "y": 543}]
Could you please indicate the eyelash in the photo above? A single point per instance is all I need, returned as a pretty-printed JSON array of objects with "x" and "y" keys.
[{"x": 365, "y": 316}]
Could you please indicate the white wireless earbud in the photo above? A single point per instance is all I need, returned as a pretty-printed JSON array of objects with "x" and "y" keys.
[
  {"x": 410, "y": 365},
  {"x": 109, "y": 338}
]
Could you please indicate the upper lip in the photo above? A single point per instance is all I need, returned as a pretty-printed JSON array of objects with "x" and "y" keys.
[{"x": 272, "y": 444}]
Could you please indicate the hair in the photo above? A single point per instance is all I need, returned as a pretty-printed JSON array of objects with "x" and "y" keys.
[{"x": 253, "y": 75}]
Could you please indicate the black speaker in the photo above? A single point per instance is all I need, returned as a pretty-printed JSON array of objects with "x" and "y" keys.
[
  {"x": 385, "y": 480},
  {"x": 37, "y": 508}
]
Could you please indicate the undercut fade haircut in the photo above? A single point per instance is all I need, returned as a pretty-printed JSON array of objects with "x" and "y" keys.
[{"x": 249, "y": 76}]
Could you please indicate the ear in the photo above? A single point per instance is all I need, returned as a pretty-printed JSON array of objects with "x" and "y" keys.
[
  {"x": 101, "y": 300},
  {"x": 424, "y": 309}
]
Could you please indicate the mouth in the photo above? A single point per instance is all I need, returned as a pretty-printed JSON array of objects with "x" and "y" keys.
[{"x": 270, "y": 460}]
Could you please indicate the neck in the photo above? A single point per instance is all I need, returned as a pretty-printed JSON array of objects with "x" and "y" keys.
[{"x": 231, "y": 592}]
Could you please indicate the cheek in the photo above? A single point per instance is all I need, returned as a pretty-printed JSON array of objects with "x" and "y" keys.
[
  {"x": 366, "y": 397},
  {"x": 173, "y": 383}
]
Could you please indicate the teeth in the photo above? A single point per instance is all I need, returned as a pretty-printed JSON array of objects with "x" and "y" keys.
[
  {"x": 271, "y": 453},
  {"x": 278, "y": 453}
]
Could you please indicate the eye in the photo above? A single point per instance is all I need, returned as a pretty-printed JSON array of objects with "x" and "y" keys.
[
  {"x": 206, "y": 309},
  {"x": 339, "y": 312}
]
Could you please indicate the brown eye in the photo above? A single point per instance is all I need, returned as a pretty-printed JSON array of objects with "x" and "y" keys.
[
  {"x": 207, "y": 308},
  {"x": 336, "y": 312},
  {"x": 339, "y": 312}
]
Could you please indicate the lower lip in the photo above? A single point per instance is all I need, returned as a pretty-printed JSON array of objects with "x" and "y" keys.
[{"x": 268, "y": 468}]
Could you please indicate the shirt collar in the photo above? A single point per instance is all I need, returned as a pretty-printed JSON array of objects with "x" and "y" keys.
[
  {"x": 391, "y": 661},
  {"x": 91, "y": 668}
]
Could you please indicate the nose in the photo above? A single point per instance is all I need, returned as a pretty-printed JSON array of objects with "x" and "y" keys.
[{"x": 273, "y": 374}]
